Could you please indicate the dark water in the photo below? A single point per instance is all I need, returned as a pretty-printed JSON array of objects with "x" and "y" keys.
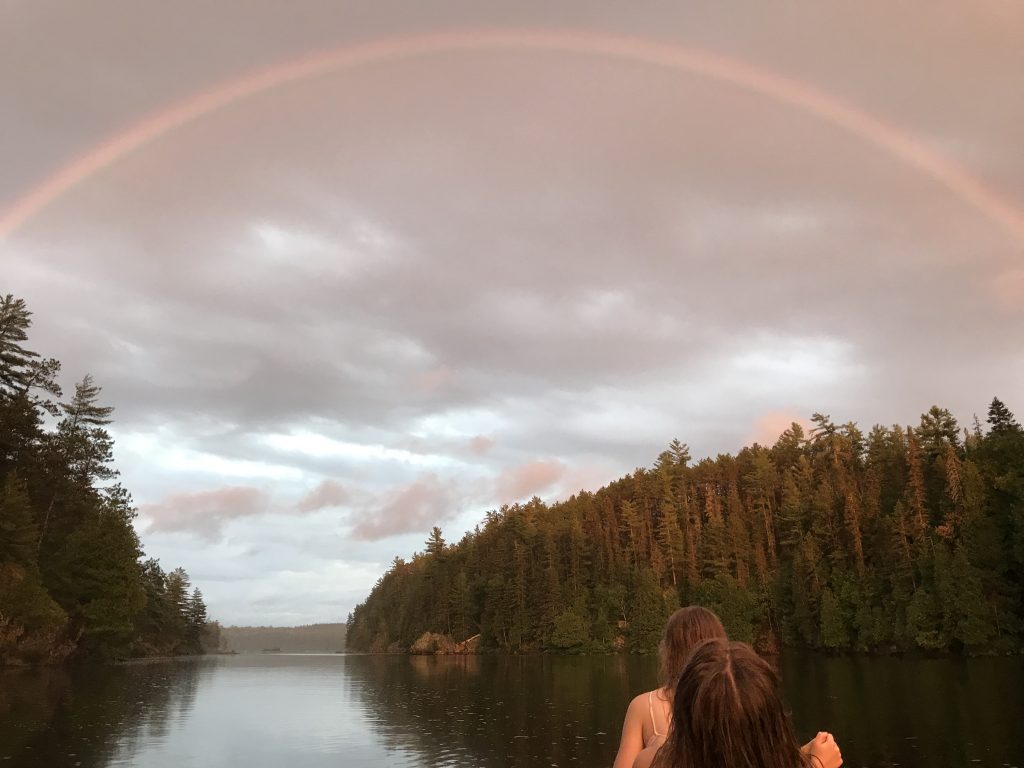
[{"x": 479, "y": 712}]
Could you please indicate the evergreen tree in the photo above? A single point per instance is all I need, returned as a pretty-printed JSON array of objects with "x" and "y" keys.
[
  {"x": 16, "y": 361},
  {"x": 1000, "y": 419},
  {"x": 17, "y": 525},
  {"x": 834, "y": 633},
  {"x": 195, "y": 622},
  {"x": 86, "y": 444}
]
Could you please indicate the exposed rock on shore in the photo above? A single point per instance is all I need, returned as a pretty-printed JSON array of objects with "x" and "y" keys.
[{"x": 438, "y": 644}]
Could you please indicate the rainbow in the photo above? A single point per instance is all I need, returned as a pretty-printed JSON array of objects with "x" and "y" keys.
[{"x": 784, "y": 90}]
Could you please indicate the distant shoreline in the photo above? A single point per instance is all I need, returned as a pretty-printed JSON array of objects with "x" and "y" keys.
[{"x": 157, "y": 659}]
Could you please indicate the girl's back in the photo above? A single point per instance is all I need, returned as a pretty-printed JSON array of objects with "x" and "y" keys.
[
  {"x": 649, "y": 715},
  {"x": 727, "y": 711}
]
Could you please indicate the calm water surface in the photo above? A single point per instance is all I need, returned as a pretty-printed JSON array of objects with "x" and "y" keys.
[{"x": 479, "y": 712}]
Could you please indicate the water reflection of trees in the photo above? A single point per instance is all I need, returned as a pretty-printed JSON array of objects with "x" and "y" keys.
[
  {"x": 55, "y": 716},
  {"x": 499, "y": 711},
  {"x": 492, "y": 712},
  {"x": 911, "y": 711}
]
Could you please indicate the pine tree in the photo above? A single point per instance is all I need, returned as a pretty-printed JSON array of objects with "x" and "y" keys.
[
  {"x": 647, "y": 614},
  {"x": 86, "y": 444},
  {"x": 852, "y": 518},
  {"x": 915, "y": 491},
  {"x": 17, "y": 526},
  {"x": 1000, "y": 419},
  {"x": 461, "y": 606},
  {"x": 937, "y": 428},
  {"x": 834, "y": 633},
  {"x": 435, "y": 544},
  {"x": 791, "y": 514},
  {"x": 630, "y": 527},
  {"x": 16, "y": 362},
  {"x": 178, "y": 585},
  {"x": 760, "y": 484},
  {"x": 670, "y": 540},
  {"x": 195, "y": 622},
  {"x": 964, "y": 603}
]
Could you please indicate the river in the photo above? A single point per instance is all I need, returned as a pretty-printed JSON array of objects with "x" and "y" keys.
[{"x": 293, "y": 711}]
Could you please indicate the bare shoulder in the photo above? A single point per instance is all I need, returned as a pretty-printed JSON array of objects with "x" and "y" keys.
[
  {"x": 640, "y": 700},
  {"x": 637, "y": 708}
]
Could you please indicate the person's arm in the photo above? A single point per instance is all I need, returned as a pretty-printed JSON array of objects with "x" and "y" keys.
[
  {"x": 646, "y": 756},
  {"x": 824, "y": 751},
  {"x": 632, "y": 741}
]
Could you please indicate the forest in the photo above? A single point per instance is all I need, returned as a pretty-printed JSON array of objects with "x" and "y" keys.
[
  {"x": 72, "y": 576},
  {"x": 906, "y": 538}
]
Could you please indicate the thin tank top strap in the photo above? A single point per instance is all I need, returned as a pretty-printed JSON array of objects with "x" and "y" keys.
[{"x": 650, "y": 708}]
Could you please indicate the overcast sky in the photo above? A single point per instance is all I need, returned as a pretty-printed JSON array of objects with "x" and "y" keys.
[{"x": 414, "y": 284}]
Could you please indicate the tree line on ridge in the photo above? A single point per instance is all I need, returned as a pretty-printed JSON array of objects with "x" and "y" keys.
[{"x": 903, "y": 538}]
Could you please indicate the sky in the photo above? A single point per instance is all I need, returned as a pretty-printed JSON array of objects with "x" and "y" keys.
[{"x": 349, "y": 270}]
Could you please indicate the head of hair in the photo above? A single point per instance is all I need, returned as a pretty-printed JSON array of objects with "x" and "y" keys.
[
  {"x": 727, "y": 711},
  {"x": 685, "y": 630}
]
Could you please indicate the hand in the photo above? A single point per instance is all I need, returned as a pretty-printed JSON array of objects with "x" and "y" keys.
[{"x": 825, "y": 751}]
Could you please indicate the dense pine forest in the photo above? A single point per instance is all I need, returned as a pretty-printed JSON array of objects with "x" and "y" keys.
[
  {"x": 903, "y": 538},
  {"x": 72, "y": 579}
]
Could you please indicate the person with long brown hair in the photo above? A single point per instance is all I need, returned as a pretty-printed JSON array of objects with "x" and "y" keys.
[
  {"x": 649, "y": 714},
  {"x": 727, "y": 711}
]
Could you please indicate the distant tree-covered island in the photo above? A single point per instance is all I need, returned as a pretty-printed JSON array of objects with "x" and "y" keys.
[
  {"x": 309, "y": 638},
  {"x": 901, "y": 539},
  {"x": 72, "y": 577}
]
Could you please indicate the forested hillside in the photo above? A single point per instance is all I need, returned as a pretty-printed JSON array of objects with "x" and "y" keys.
[
  {"x": 70, "y": 572},
  {"x": 311, "y": 638},
  {"x": 902, "y": 538}
]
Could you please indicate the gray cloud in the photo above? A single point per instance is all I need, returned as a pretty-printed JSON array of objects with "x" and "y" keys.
[{"x": 392, "y": 289}]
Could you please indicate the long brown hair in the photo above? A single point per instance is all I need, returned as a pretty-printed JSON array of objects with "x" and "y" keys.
[
  {"x": 685, "y": 630},
  {"x": 727, "y": 711}
]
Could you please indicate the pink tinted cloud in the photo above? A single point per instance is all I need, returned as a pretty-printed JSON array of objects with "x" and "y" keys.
[
  {"x": 206, "y": 512},
  {"x": 434, "y": 380},
  {"x": 518, "y": 483},
  {"x": 480, "y": 445},
  {"x": 327, "y": 494},
  {"x": 771, "y": 424},
  {"x": 584, "y": 478},
  {"x": 415, "y": 507}
]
